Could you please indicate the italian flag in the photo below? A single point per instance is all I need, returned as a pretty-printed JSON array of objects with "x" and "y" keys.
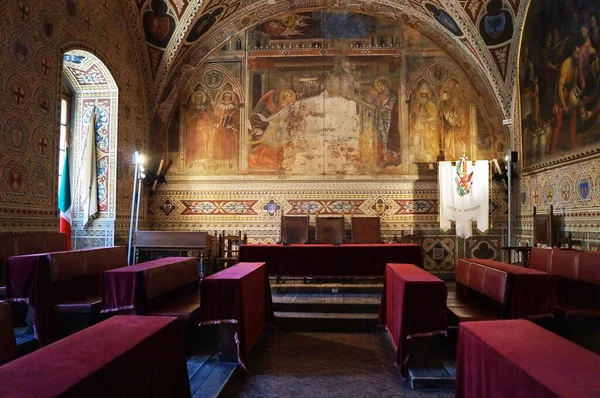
[{"x": 64, "y": 200}]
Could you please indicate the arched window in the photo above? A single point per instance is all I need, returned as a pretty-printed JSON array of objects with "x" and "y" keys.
[{"x": 90, "y": 133}]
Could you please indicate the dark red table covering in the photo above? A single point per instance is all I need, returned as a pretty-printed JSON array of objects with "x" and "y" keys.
[
  {"x": 125, "y": 288},
  {"x": 124, "y": 356},
  {"x": 532, "y": 294},
  {"x": 240, "y": 294},
  {"x": 28, "y": 280},
  {"x": 413, "y": 304},
  {"x": 331, "y": 260},
  {"x": 517, "y": 358}
]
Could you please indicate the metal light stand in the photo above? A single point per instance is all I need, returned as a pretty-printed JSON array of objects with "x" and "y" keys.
[
  {"x": 509, "y": 183},
  {"x": 138, "y": 160}
]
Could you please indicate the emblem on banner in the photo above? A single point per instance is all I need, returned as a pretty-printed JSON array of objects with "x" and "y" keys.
[{"x": 463, "y": 177}]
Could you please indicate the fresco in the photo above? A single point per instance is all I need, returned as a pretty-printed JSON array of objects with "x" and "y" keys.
[
  {"x": 212, "y": 126},
  {"x": 327, "y": 94},
  {"x": 560, "y": 80}
]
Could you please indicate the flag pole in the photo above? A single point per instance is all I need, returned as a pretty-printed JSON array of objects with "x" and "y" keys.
[{"x": 135, "y": 161}]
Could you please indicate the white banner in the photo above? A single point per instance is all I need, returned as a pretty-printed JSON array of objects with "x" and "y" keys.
[
  {"x": 464, "y": 195},
  {"x": 88, "y": 180}
]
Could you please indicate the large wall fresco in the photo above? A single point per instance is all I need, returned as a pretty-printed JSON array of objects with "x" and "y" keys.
[
  {"x": 329, "y": 94},
  {"x": 560, "y": 82},
  {"x": 560, "y": 103}
]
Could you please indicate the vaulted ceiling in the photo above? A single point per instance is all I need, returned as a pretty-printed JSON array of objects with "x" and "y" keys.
[{"x": 482, "y": 35}]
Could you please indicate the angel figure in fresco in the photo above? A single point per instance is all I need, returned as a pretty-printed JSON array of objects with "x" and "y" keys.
[
  {"x": 225, "y": 141},
  {"x": 454, "y": 111},
  {"x": 266, "y": 135},
  {"x": 286, "y": 25},
  {"x": 425, "y": 120},
  {"x": 198, "y": 125}
]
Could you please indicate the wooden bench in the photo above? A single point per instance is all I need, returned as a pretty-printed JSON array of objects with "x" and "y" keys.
[
  {"x": 60, "y": 283},
  {"x": 530, "y": 293},
  {"x": 76, "y": 277},
  {"x": 148, "y": 243},
  {"x": 174, "y": 290},
  {"x": 481, "y": 293},
  {"x": 578, "y": 277},
  {"x": 167, "y": 286}
]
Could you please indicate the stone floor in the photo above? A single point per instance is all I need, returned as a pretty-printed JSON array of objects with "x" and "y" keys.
[{"x": 294, "y": 364}]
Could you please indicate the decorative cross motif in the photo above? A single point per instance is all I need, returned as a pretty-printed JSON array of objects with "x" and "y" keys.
[
  {"x": 88, "y": 22},
  {"x": 46, "y": 66},
  {"x": 18, "y": 94},
  {"x": 43, "y": 144},
  {"x": 106, "y": 8},
  {"x": 24, "y": 11},
  {"x": 118, "y": 48}
]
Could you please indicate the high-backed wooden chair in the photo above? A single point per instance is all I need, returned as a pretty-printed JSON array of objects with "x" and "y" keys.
[
  {"x": 8, "y": 344},
  {"x": 366, "y": 230},
  {"x": 230, "y": 249},
  {"x": 543, "y": 228},
  {"x": 294, "y": 229},
  {"x": 330, "y": 230}
]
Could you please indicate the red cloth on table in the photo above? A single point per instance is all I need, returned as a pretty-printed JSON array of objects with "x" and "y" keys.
[
  {"x": 28, "y": 280},
  {"x": 125, "y": 288},
  {"x": 532, "y": 293},
  {"x": 277, "y": 257},
  {"x": 413, "y": 304},
  {"x": 124, "y": 356},
  {"x": 240, "y": 294},
  {"x": 517, "y": 358},
  {"x": 331, "y": 260}
]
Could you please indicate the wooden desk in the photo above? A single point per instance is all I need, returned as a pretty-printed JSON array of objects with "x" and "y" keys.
[
  {"x": 238, "y": 295},
  {"x": 172, "y": 241},
  {"x": 413, "y": 304}
]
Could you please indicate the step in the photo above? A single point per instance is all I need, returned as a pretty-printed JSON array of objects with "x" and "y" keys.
[
  {"x": 321, "y": 302},
  {"x": 207, "y": 375},
  {"x": 327, "y": 321},
  {"x": 300, "y": 287},
  {"x": 26, "y": 342},
  {"x": 434, "y": 375}
]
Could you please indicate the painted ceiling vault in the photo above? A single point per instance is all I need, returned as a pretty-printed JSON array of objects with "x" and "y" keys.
[{"x": 482, "y": 35}]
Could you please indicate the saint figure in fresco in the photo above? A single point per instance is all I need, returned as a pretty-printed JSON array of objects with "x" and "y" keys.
[
  {"x": 455, "y": 120},
  {"x": 198, "y": 127},
  {"x": 267, "y": 131},
  {"x": 386, "y": 118},
  {"x": 425, "y": 118},
  {"x": 225, "y": 141},
  {"x": 567, "y": 97}
]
